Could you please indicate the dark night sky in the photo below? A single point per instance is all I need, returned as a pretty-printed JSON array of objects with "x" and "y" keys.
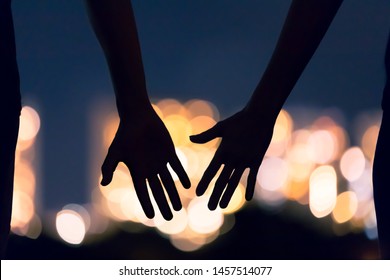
[{"x": 215, "y": 50}]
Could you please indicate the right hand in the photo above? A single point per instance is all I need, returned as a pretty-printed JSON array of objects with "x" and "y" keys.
[{"x": 144, "y": 145}]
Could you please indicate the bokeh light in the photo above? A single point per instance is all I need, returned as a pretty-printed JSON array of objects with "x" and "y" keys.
[
  {"x": 311, "y": 165},
  {"x": 346, "y": 207},
  {"x": 352, "y": 164},
  {"x": 29, "y": 124},
  {"x": 197, "y": 213},
  {"x": 70, "y": 226},
  {"x": 25, "y": 220},
  {"x": 323, "y": 191}
]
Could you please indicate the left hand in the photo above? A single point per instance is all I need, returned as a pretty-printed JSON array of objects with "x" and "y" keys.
[{"x": 245, "y": 140}]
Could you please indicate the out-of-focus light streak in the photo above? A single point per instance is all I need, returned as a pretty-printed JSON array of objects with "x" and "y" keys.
[
  {"x": 323, "y": 191},
  {"x": 25, "y": 221}
]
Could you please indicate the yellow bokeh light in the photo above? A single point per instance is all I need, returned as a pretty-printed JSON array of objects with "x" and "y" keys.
[
  {"x": 109, "y": 130},
  {"x": 297, "y": 190},
  {"x": 171, "y": 107},
  {"x": 291, "y": 170},
  {"x": 129, "y": 205},
  {"x": 273, "y": 174},
  {"x": 179, "y": 128},
  {"x": 184, "y": 161},
  {"x": 22, "y": 209},
  {"x": 29, "y": 124},
  {"x": 121, "y": 179},
  {"x": 283, "y": 127},
  {"x": 300, "y": 164},
  {"x": 202, "y": 123},
  {"x": 158, "y": 111},
  {"x": 82, "y": 211},
  {"x": 176, "y": 225},
  {"x": 70, "y": 226},
  {"x": 198, "y": 210},
  {"x": 187, "y": 245},
  {"x": 369, "y": 140},
  {"x": 323, "y": 191},
  {"x": 202, "y": 108},
  {"x": 237, "y": 200},
  {"x": 24, "y": 178},
  {"x": 190, "y": 160},
  {"x": 323, "y": 146},
  {"x": 346, "y": 207},
  {"x": 352, "y": 164}
]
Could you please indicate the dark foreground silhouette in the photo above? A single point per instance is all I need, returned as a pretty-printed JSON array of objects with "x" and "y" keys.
[
  {"x": 142, "y": 141},
  {"x": 247, "y": 134}
]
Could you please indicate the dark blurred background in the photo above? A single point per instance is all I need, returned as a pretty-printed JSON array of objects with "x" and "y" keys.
[{"x": 209, "y": 50}]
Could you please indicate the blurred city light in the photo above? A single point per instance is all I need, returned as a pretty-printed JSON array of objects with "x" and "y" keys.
[
  {"x": 311, "y": 165},
  {"x": 25, "y": 220},
  {"x": 302, "y": 164},
  {"x": 70, "y": 226}
]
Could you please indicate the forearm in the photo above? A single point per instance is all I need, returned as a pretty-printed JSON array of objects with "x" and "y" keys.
[
  {"x": 305, "y": 26},
  {"x": 115, "y": 28}
]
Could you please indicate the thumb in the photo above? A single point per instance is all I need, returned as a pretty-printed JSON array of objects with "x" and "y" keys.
[
  {"x": 207, "y": 135},
  {"x": 108, "y": 168}
]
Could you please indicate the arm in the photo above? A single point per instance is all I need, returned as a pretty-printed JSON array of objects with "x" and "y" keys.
[
  {"x": 305, "y": 26},
  {"x": 142, "y": 141},
  {"x": 247, "y": 134},
  {"x": 115, "y": 28}
]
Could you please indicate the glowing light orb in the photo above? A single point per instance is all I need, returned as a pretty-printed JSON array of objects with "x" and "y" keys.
[
  {"x": 70, "y": 226},
  {"x": 323, "y": 191}
]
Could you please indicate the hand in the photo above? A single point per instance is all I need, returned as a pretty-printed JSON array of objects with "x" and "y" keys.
[
  {"x": 244, "y": 143},
  {"x": 144, "y": 145}
]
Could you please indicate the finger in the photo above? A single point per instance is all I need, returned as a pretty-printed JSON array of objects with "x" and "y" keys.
[
  {"x": 219, "y": 187},
  {"x": 170, "y": 187},
  {"x": 207, "y": 135},
  {"x": 141, "y": 190},
  {"x": 159, "y": 196},
  {"x": 231, "y": 187},
  {"x": 181, "y": 173},
  {"x": 251, "y": 182},
  {"x": 208, "y": 175},
  {"x": 109, "y": 165}
]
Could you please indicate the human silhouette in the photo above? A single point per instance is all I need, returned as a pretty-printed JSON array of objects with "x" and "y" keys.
[
  {"x": 10, "y": 107},
  {"x": 142, "y": 141},
  {"x": 247, "y": 134}
]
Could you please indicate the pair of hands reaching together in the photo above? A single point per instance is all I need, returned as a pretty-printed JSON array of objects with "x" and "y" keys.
[{"x": 144, "y": 145}]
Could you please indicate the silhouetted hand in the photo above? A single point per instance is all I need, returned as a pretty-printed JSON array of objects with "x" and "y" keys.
[
  {"x": 244, "y": 143},
  {"x": 145, "y": 146}
]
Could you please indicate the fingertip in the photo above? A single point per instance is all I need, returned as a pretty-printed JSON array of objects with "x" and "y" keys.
[
  {"x": 223, "y": 204},
  {"x": 186, "y": 182},
  {"x": 195, "y": 139},
  {"x": 248, "y": 196},
  {"x": 199, "y": 192},
  {"x": 168, "y": 216},
  {"x": 149, "y": 213},
  {"x": 177, "y": 207},
  {"x": 105, "y": 181},
  {"x": 212, "y": 206}
]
